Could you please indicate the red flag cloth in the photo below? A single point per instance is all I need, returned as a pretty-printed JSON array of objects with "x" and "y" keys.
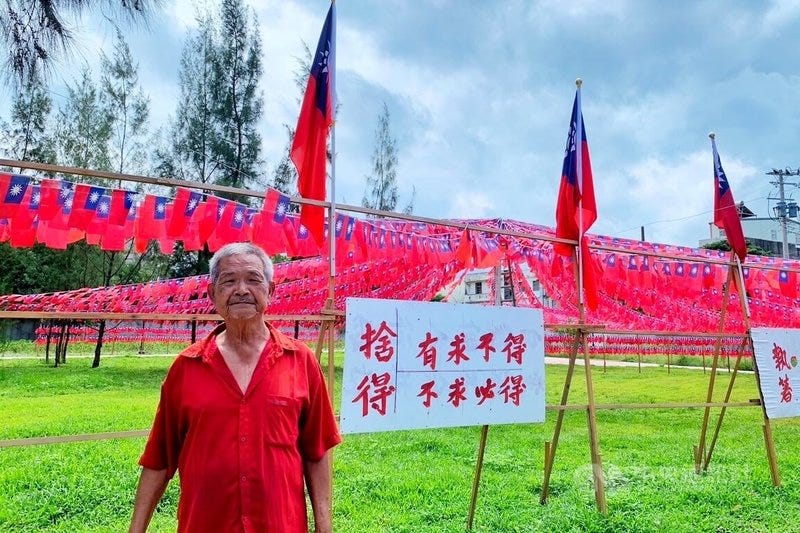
[
  {"x": 84, "y": 205},
  {"x": 787, "y": 280},
  {"x": 54, "y": 193},
  {"x": 212, "y": 210},
  {"x": 726, "y": 216},
  {"x": 464, "y": 250},
  {"x": 121, "y": 203},
  {"x": 12, "y": 192},
  {"x": 576, "y": 209},
  {"x": 183, "y": 209},
  {"x": 269, "y": 228},
  {"x": 22, "y": 226},
  {"x": 230, "y": 226},
  {"x": 310, "y": 145},
  {"x": 151, "y": 217}
]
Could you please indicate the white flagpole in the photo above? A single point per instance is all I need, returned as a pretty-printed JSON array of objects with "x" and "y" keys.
[{"x": 579, "y": 177}]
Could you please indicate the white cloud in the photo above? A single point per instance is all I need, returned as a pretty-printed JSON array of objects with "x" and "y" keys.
[{"x": 468, "y": 204}]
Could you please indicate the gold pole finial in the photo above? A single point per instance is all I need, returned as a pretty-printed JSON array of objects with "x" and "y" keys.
[
  {"x": 712, "y": 135},
  {"x": 578, "y": 82}
]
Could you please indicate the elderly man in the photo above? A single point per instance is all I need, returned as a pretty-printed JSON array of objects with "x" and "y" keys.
[{"x": 244, "y": 416}]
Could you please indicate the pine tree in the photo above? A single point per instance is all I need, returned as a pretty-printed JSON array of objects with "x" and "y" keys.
[
  {"x": 126, "y": 105},
  {"x": 26, "y": 137},
  {"x": 238, "y": 101},
  {"x": 38, "y": 32},
  {"x": 83, "y": 131},
  {"x": 194, "y": 129},
  {"x": 381, "y": 189}
]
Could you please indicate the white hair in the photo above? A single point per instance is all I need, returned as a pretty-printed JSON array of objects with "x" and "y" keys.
[{"x": 239, "y": 248}]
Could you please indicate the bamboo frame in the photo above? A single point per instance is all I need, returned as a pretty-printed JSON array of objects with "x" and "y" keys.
[
  {"x": 591, "y": 409},
  {"x": 703, "y": 458},
  {"x": 328, "y": 315}
]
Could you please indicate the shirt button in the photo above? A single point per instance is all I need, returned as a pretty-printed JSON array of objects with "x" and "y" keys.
[
  {"x": 244, "y": 478},
  {"x": 244, "y": 439}
]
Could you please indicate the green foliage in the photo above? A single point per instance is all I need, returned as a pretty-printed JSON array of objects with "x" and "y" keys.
[
  {"x": 725, "y": 246},
  {"x": 40, "y": 269},
  {"x": 418, "y": 480},
  {"x": 237, "y": 100},
  {"x": 192, "y": 156},
  {"x": 84, "y": 126},
  {"x": 381, "y": 190},
  {"x": 37, "y": 32},
  {"x": 128, "y": 107},
  {"x": 27, "y": 137}
]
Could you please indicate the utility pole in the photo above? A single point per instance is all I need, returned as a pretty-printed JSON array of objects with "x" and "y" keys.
[{"x": 782, "y": 209}]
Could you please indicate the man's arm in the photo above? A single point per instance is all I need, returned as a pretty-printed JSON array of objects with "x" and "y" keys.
[
  {"x": 152, "y": 484},
  {"x": 319, "y": 481}
]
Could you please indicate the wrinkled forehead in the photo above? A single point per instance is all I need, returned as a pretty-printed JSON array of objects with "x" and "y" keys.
[{"x": 241, "y": 264}]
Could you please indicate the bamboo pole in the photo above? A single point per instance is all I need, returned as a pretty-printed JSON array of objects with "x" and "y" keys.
[
  {"x": 552, "y": 447},
  {"x": 477, "y": 480},
  {"x": 594, "y": 441},
  {"x": 701, "y": 451}
]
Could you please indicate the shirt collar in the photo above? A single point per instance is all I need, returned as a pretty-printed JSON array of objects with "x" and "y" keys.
[{"x": 207, "y": 347}]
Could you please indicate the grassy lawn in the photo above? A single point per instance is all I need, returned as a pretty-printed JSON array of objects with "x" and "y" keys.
[{"x": 418, "y": 480}]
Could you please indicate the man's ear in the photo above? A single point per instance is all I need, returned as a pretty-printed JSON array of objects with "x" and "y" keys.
[
  {"x": 271, "y": 288},
  {"x": 210, "y": 291}
]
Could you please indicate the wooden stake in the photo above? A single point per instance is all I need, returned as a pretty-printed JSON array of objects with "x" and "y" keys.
[
  {"x": 717, "y": 345},
  {"x": 548, "y": 464},
  {"x": 477, "y": 480},
  {"x": 724, "y": 408},
  {"x": 771, "y": 456},
  {"x": 594, "y": 444}
]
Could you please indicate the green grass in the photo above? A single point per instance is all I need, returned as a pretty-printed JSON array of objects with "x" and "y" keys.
[{"x": 418, "y": 480}]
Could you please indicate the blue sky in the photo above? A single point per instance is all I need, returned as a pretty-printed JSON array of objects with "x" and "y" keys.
[{"x": 480, "y": 95}]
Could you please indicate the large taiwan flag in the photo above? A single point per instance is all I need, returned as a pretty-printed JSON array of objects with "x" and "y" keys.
[
  {"x": 726, "y": 216},
  {"x": 576, "y": 210},
  {"x": 310, "y": 146}
]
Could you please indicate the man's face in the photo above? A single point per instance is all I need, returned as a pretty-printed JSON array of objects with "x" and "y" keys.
[{"x": 241, "y": 291}]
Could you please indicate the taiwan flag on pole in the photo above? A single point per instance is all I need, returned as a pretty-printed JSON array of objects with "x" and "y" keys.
[
  {"x": 726, "y": 216},
  {"x": 310, "y": 146},
  {"x": 576, "y": 210}
]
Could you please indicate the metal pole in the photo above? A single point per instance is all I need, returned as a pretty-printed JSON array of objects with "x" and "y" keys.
[{"x": 784, "y": 212}]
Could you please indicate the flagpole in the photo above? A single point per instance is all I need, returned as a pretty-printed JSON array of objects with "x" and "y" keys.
[
  {"x": 332, "y": 211},
  {"x": 579, "y": 175}
]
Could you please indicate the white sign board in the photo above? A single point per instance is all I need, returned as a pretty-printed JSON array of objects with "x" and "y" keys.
[
  {"x": 412, "y": 365},
  {"x": 776, "y": 352}
]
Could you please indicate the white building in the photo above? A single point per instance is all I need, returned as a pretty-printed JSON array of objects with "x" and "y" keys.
[
  {"x": 475, "y": 287},
  {"x": 763, "y": 232}
]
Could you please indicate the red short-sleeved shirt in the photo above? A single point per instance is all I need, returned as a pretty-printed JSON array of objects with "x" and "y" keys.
[{"x": 241, "y": 456}]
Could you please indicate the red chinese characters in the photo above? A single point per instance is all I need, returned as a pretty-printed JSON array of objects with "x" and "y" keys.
[
  {"x": 512, "y": 388},
  {"x": 779, "y": 356},
  {"x": 378, "y": 342},
  {"x": 485, "y": 392},
  {"x": 374, "y": 391},
  {"x": 486, "y": 345},
  {"x": 515, "y": 348},
  {"x": 427, "y": 393},
  {"x": 457, "y": 390},
  {"x": 458, "y": 353},
  {"x": 427, "y": 350},
  {"x": 786, "y": 389}
]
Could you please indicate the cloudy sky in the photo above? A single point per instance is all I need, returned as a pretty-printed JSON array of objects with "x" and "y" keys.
[{"x": 480, "y": 94}]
